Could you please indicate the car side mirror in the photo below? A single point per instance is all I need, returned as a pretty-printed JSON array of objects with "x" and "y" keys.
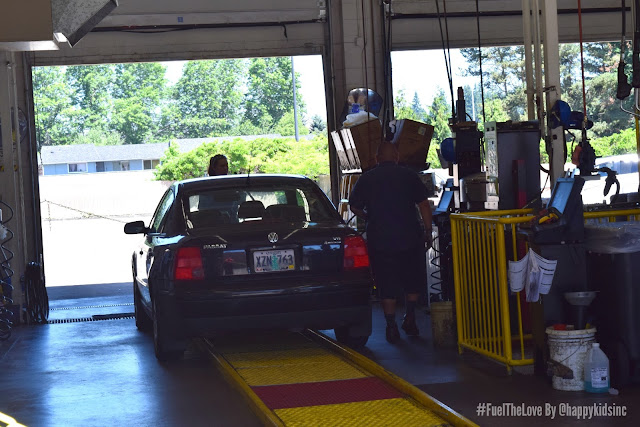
[{"x": 135, "y": 227}]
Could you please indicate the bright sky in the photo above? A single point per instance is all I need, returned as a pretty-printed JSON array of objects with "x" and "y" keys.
[
  {"x": 425, "y": 72},
  {"x": 421, "y": 71}
]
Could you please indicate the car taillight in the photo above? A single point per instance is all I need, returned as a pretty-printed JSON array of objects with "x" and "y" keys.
[
  {"x": 189, "y": 264},
  {"x": 355, "y": 253}
]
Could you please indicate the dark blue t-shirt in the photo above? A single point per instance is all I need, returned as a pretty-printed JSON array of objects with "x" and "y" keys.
[{"x": 389, "y": 194}]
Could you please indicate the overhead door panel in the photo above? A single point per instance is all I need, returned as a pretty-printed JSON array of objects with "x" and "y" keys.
[
  {"x": 189, "y": 12},
  {"x": 416, "y": 25},
  {"x": 150, "y": 30}
]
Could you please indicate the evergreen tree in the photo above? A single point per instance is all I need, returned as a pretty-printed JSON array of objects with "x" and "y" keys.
[{"x": 417, "y": 108}]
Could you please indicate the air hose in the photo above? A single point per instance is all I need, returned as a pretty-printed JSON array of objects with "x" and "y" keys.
[
  {"x": 436, "y": 287},
  {"x": 6, "y": 288},
  {"x": 37, "y": 300}
]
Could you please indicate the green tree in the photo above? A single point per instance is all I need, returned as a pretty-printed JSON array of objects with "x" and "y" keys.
[
  {"x": 438, "y": 117},
  {"x": 270, "y": 92},
  {"x": 286, "y": 126},
  {"x": 473, "y": 102},
  {"x": 416, "y": 106},
  {"x": 99, "y": 137},
  {"x": 623, "y": 142},
  {"x": 92, "y": 95},
  {"x": 52, "y": 104},
  {"x": 495, "y": 111},
  {"x": 317, "y": 124},
  {"x": 138, "y": 92},
  {"x": 503, "y": 75},
  {"x": 206, "y": 100},
  {"x": 403, "y": 110}
]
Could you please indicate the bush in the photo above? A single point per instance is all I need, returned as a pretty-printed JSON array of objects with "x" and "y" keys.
[{"x": 308, "y": 157}]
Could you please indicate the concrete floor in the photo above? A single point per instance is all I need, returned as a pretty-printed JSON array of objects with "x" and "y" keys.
[{"x": 97, "y": 373}]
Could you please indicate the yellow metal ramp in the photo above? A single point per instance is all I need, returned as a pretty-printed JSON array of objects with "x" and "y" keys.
[{"x": 307, "y": 379}]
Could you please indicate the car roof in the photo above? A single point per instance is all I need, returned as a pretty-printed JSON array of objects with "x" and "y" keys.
[{"x": 241, "y": 180}]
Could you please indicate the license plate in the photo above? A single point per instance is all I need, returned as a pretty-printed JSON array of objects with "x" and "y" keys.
[{"x": 273, "y": 260}]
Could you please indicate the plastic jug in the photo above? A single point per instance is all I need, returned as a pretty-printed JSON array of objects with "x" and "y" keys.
[{"x": 596, "y": 370}]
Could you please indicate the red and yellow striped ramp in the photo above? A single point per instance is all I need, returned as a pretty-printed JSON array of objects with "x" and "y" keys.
[{"x": 306, "y": 379}]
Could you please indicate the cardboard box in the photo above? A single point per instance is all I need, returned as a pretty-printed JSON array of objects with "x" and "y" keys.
[
  {"x": 413, "y": 139},
  {"x": 350, "y": 149},
  {"x": 365, "y": 137},
  {"x": 340, "y": 150}
]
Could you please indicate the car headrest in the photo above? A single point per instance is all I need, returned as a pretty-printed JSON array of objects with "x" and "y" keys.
[
  {"x": 208, "y": 218},
  {"x": 286, "y": 212},
  {"x": 251, "y": 209}
]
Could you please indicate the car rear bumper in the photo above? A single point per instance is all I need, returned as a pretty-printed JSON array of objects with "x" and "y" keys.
[{"x": 316, "y": 310}]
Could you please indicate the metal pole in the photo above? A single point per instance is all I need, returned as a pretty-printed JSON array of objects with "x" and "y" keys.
[
  {"x": 526, "y": 27},
  {"x": 537, "y": 41},
  {"x": 555, "y": 136},
  {"x": 473, "y": 105},
  {"x": 295, "y": 104}
]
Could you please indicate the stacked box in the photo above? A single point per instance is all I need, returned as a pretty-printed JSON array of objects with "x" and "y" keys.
[
  {"x": 342, "y": 154},
  {"x": 365, "y": 138},
  {"x": 413, "y": 139}
]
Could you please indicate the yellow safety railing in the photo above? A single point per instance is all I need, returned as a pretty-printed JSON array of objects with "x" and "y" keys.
[
  {"x": 612, "y": 216},
  {"x": 480, "y": 241}
]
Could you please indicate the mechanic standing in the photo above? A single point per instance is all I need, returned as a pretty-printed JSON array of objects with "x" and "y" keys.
[{"x": 386, "y": 197}]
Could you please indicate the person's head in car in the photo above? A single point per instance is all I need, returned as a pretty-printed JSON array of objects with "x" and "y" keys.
[{"x": 218, "y": 165}]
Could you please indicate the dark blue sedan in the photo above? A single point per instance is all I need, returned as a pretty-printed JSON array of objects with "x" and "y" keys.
[{"x": 248, "y": 252}]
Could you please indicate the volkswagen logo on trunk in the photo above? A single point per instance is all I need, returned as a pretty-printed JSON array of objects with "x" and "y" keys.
[{"x": 273, "y": 237}]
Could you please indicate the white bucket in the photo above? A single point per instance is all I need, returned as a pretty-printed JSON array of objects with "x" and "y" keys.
[{"x": 569, "y": 348}]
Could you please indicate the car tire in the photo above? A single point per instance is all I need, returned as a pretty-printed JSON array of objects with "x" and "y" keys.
[
  {"x": 143, "y": 322},
  {"x": 166, "y": 348},
  {"x": 355, "y": 342}
]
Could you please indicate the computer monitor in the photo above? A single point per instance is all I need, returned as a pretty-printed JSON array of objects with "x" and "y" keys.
[
  {"x": 566, "y": 202},
  {"x": 445, "y": 202},
  {"x": 566, "y": 194}
]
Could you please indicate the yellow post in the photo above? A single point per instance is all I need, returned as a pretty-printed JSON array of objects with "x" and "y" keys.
[
  {"x": 456, "y": 281},
  {"x": 493, "y": 280},
  {"x": 515, "y": 258},
  {"x": 504, "y": 294},
  {"x": 487, "y": 286}
]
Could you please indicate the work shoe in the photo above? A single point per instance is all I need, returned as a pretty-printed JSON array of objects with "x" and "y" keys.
[
  {"x": 409, "y": 326},
  {"x": 393, "y": 335}
]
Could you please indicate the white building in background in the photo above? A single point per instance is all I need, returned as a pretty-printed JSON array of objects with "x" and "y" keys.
[{"x": 88, "y": 158}]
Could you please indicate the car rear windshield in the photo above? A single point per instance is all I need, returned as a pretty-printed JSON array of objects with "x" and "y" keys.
[{"x": 258, "y": 204}]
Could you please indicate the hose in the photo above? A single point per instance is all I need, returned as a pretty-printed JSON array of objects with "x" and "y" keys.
[
  {"x": 36, "y": 298},
  {"x": 6, "y": 289},
  {"x": 437, "y": 285}
]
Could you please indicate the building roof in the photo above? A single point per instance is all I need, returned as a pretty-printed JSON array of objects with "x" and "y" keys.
[
  {"x": 62, "y": 154},
  {"x": 103, "y": 153}
]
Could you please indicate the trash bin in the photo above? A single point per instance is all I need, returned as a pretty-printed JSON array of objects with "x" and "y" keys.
[{"x": 613, "y": 267}]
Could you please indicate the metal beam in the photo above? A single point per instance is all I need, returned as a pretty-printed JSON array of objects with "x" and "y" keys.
[{"x": 555, "y": 137}]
